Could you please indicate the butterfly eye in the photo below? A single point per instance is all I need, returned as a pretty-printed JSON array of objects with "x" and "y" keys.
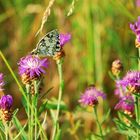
[{"x": 34, "y": 52}]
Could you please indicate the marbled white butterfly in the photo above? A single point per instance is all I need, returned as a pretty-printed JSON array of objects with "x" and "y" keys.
[{"x": 49, "y": 45}]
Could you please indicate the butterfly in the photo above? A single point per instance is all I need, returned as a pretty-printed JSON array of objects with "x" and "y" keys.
[{"x": 49, "y": 45}]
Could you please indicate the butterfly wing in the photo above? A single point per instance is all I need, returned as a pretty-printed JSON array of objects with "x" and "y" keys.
[{"x": 49, "y": 45}]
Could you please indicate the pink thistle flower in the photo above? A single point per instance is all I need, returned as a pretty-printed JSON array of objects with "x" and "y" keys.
[
  {"x": 138, "y": 3},
  {"x": 32, "y": 65},
  {"x": 136, "y": 28},
  {"x": 126, "y": 103},
  {"x": 130, "y": 82},
  {"x": 64, "y": 38},
  {"x": 6, "y": 102},
  {"x": 90, "y": 96}
]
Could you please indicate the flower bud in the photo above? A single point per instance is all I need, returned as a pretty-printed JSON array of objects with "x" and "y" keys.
[
  {"x": 6, "y": 103},
  {"x": 117, "y": 67},
  {"x": 59, "y": 55}
]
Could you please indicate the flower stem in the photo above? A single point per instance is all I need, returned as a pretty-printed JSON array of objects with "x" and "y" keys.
[
  {"x": 28, "y": 108},
  {"x": 98, "y": 123},
  {"x": 120, "y": 87},
  {"x": 139, "y": 59},
  {"x": 36, "y": 86},
  {"x": 12, "y": 73},
  {"x": 21, "y": 89},
  {"x": 35, "y": 123},
  {"x": 137, "y": 102},
  {"x": 34, "y": 112},
  {"x": 61, "y": 87},
  {"x": 6, "y": 131},
  {"x": 32, "y": 119},
  {"x": 137, "y": 114}
]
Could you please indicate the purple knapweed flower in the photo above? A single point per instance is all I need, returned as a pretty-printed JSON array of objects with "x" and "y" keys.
[
  {"x": 64, "y": 38},
  {"x": 1, "y": 82},
  {"x": 6, "y": 102},
  {"x": 126, "y": 104},
  {"x": 32, "y": 65},
  {"x": 130, "y": 82},
  {"x": 90, "y": 96},
  {"x": 136, "y": 28},
  {"x": 138, "y": 3},
  {"x": 120, "y": 90}
]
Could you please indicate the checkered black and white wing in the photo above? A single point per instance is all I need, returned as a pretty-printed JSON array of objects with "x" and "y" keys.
[{"x": 49, "y": 45}]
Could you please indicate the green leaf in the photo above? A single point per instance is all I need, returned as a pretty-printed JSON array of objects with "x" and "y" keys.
[
  {"x": 46, "y": 93},
  {"x": 137, "y": 95},
  {"x": 122, "y": 9},
  {"x": 134, "y": 123},
  {"x": 123, "y": 129},
  {"x": 42, "y": 124},
  {"x": 128, "y": 132},
  {"x": 52, "y": 115},
  {"x": 58, "y": 134},
  {"x": 2, "y": 126},
  {"x": 78, "y": 125},
  {"x": 51, "y": 105},
  {"x": 95, "y": 135},
  {"x": 111, "y": 75},
  {"x": 20, "y": 132},
  {"x": 105, "y": 117},
  {"x": 20, "y": 128},
  {"x": 24, "y": 102},
  {"x": 35, "y": 99},
  {"x": 121, "y": 125},
  {"x": 15, "y": 111}
]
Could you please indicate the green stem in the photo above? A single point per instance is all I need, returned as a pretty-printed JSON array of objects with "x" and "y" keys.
[
  {"x": 98, "y": 123},
  {"x": 21, "y": 89},
  {"x": 1, "y": 137},
  {"x": 12, "y": 73},
  {"x": 35, "y": 123},
  {"x": 36, "y": 86},
  {"x": 139, "y": 59},
  {"x": 28, "y": 109},
  {"x": 6, "y": 131},
  {"x": 137, "y": 108},
  {"x": 120, "y": 87},
  {"x": 32, "y": 119},
  {"x": 34, "y": 112},
  {"x": 29, "y": 118},
  {"x": 137, "y": 102},
  {"x": 137, "y": 114},
  {"x": 61, "y": 87}
]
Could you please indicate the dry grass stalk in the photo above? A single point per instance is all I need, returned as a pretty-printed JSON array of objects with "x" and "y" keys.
[
  {"x": 45, "y": 16},
  {"x": 72, "y": 8}
]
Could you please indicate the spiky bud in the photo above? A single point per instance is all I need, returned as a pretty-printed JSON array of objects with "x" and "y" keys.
[
  {"x": 117, "y": 67},
  {"x": 7, "y": 115},
  {"x": 6, "y": 103},
  {"x": 134, "y": 89},
  {"x": 59, "y": 55},
  {"x": 137, "y": 43}
]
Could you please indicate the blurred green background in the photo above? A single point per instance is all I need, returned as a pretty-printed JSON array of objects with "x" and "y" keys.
[{"x": 100, "y": 34}]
